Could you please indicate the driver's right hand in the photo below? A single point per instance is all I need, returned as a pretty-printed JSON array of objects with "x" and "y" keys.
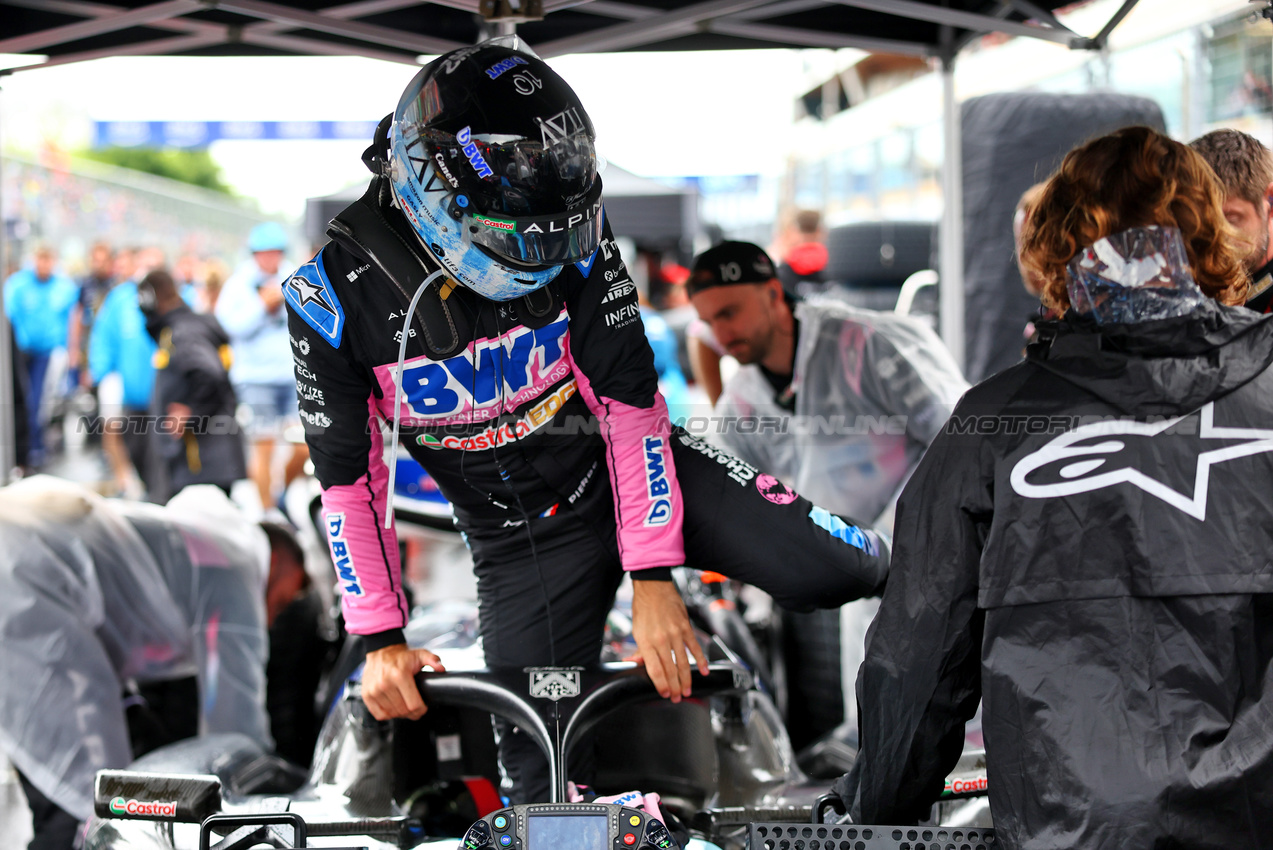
[{"x": 388, "y": 681}]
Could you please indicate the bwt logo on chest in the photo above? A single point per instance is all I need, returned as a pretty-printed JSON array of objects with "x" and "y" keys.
[{"x": 493, "y": 376}]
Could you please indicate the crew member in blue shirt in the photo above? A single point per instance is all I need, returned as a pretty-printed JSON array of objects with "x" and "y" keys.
[
  {"x": 38, "y": 302},
  {"x": 120, "y": 344}
]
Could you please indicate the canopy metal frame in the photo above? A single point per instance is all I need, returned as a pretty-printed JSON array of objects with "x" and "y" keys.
[{"x": 176, "y": 27}]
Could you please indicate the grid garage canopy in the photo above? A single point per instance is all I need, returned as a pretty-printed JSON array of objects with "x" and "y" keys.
[{"x": 402, "y": 30}]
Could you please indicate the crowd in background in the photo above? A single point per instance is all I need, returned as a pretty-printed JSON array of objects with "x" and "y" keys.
[
  {"x": 89, "y": 344},
  {"x": 137, "y": 375},
  {"x": 85, "y": 365}
]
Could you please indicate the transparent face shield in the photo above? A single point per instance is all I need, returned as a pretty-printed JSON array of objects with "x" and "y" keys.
[
  {"x": 549, "y": 240},
  {"x": 531, "y": 201},
  {"x": 1138, "y": 275}
]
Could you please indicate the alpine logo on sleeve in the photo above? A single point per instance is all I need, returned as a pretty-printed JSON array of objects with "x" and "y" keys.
[
  {"x": 657, "y": 486},
  {"x": 1105, "y": 454},
  {"x": 311, "y": 295},
  {"x": 585, "y": 266},
  {"x": 341, "y": 556}
]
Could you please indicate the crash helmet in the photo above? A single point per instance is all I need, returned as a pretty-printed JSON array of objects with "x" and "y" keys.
[{"x": 492, "y": 162}]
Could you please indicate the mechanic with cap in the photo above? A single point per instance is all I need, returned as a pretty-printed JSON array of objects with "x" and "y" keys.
[
  {"x": 478, "y": 283},
  {"x": 250, "y": 309},
  {"x": 838, "y": 403}
]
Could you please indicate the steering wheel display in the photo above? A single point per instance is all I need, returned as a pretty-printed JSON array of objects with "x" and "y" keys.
[{"x": 568, "y": 826}]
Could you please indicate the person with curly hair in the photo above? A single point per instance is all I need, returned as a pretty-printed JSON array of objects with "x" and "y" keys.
[{"x": 1084, "y": 548}]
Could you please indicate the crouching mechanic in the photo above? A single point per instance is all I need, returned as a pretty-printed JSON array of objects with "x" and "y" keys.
[{"x": 477, "y": 282}]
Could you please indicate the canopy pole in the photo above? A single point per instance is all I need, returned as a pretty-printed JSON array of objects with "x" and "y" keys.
[
  {"x": 951, "y": 236},
  {"x": 8, "y": 411}
]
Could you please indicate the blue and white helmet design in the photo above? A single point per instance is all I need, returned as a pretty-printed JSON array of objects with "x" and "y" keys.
[{"x": 492, "y": 162}]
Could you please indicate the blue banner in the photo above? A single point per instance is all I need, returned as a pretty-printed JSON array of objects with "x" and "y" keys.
[{"x": 198, "y": 134}]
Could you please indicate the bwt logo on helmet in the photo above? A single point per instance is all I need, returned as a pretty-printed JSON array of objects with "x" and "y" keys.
[
  {"x": 657, "y": 485},
  {"x": 465, "y": 138},
  {"x": 142, "y": 808},
  {"x": 345, "y": 571},
  {"x": 507, "y": 65},
  {"x": 494, "y": 375}
]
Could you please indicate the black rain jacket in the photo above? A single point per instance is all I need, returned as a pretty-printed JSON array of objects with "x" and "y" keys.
[
  {"x": 192, "y": 368},
  {"x": 1086, "y": 549}
]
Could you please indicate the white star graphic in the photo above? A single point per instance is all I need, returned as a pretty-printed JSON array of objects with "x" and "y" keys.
[
  {"x": 309, "y": 293},
  {"x": 1062, "y": 448}
]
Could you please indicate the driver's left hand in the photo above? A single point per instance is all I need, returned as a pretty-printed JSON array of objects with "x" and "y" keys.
[{"x": 664, "y": 637}]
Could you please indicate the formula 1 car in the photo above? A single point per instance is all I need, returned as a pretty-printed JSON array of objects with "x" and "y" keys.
[{"x": 720, "y": 761}]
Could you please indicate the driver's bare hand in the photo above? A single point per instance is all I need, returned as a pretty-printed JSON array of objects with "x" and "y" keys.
[
  {"x": 665, "y": 639},
  {"x": 388, "y": 681}
]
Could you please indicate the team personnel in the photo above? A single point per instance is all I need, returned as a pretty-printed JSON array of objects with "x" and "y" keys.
[
  {"x": 872, "y": 388},
  {"x": 251, "y": 310},
  {"x": 850, "y": 398},
  {"x": 804, "y": 254},
  {"x": 38, "y": 301},
  {"x": 102, "y": 597},
  {"x": 527, "y": 389},
  {"x": 1245, "y": 169},
  {"x": 120, "y": 345},
  {"x": 1085, "y": 546},
  {"x": 93, "y": 289},
  {"x": 203, "y": 445}
]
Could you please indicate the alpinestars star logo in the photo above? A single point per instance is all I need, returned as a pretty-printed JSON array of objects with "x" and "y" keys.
[
  {"x": 1099, "y": 455},
  {"x": 309, "y": 293}
]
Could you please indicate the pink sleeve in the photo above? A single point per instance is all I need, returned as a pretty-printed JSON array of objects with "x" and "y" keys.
[
  {"x": 364, "y": 553},
  {"x": 647, "y": 497}
]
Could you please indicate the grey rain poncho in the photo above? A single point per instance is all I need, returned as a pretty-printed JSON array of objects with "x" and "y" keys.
[
  {"x": 95, "y": 593},
  {"x": 872, "y": 390}
]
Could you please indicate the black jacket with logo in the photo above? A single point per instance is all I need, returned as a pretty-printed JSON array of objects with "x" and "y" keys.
[
  {"x": 192, "y": 363},
  {"x": 1086, "y": 549}
]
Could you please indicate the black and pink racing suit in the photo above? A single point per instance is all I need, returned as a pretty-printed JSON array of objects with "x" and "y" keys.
[{"x": 546, "y": 431}]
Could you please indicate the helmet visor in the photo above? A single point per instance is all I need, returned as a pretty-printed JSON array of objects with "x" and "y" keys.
[
  {"x": 516, "y": 175},
  {"x": 551, "y": 239}
]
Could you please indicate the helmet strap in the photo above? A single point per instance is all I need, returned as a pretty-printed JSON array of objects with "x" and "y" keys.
[
  {"x": 376, "y": 156},
  {"x": 364, "y": 228}
]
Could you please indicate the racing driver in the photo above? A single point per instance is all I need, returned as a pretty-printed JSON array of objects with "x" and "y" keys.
[{"x": 477, "y": 282}]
